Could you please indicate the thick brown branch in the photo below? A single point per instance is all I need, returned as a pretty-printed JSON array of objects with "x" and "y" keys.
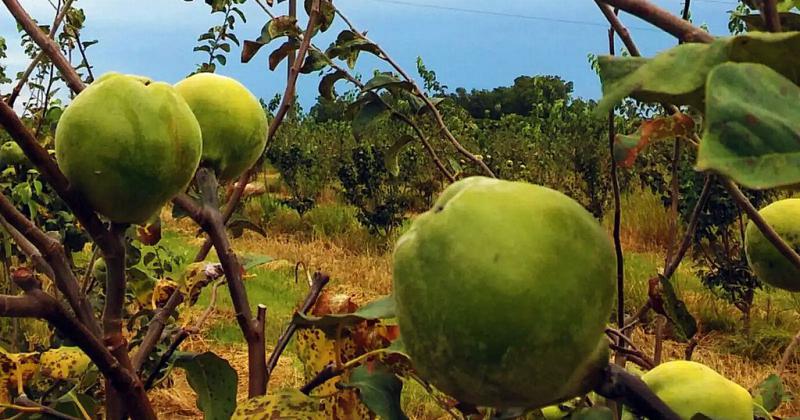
[
  {"x": 210, "y": 220},
  {"x": 20, "y": 307},
  {"x": 772, "y": 19},
  {"x": 47, "y": 45},
  {"x": 674, "y": 25}
]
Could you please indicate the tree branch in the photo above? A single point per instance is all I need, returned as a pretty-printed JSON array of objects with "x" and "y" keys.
[
  {"x": 51, "y": 310},
  {"x": 210, "y": 220},
  {"x": 155, "y": 329},
  {"x": 663, "y": 19},
  {"x": 772, "y": 19},
  {"x": 620, "y": 385},
  {"x": 619, "y": 28}
]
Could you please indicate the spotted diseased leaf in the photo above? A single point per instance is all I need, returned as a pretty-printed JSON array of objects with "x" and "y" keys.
[
  {"x": 380, "y": 390},
  {"x": 285, "y": 404},
  {"x": 752, "y": 127},
  {"x": 196, "y": 277},
  {"x": 162, "y": 291},
  {"x": 282, "y": 52},
  {"x": 383, "y": 308},
  {"x": 327, "y": 13},
  {"x": 627, "y": 147},
  {"x": 665, "y": 301},
  {"x": 769, "y": 393},
  {"x": 392, "y": 156},
  {"x": 326, "y": 89},
  {"x": 214, "y": 381},
  {"x": 63, "y": 363},
  {"x": 314, "y": 61}
]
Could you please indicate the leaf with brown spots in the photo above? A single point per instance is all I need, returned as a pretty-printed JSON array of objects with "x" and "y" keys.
[
  {"x": 286, "y": 404},
  {"x": 627, "y": 147}
]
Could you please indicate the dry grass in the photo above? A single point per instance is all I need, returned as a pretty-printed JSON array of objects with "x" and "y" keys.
[
  {"x": 368, "y": 275},
  {"x": 646, "y": 224}
]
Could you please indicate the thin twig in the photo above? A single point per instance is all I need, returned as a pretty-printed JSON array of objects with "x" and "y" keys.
[
  {"x": 318, "y": 282},
  {"x": 41, "y": 55},
  {"x": 762, "y": 224},
  {"x": 155, "y": 329},
  {"x": 788, "y": 353},
  {"x": 183, "y": 334},
  {"x": 24, "y": 401},
  {"x": 46, "y": 44},
  {"x": 421, "y": 94}
]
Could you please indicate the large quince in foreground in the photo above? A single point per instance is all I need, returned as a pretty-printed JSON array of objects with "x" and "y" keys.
[{"x": 503, "y": 290}]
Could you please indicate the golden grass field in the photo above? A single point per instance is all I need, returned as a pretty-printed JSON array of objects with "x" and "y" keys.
[{"x": 368, "y": 275}]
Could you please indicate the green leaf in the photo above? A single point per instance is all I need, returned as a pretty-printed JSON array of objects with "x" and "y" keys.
[
  {"x": 391, "y": 158},
  {"x": 278, "y": 27},
  {"x": 250, "y": 262},
  {"x": 371, "y": 109},
  {"x": 383, "y": 308},
  {"x": 285, "y": 404},
  {"x": 676, "y": 76},
  {"x": 214, "y": 381},
  {"x": 327, "y": 13},
  {"x": 593, "y": 413},
  {"x": 282, "y": 52},
  {"x": 379, "y": 390},
  {"x": 326, "y": 89},
  {"x": 673, "y": 309},
  {"x": 769, "y": 393},
  {"x": 347, "y": 46},
  {"x": 386, "y": 81},
  {"x": 752, "y": 126},
  {"x": 315, "y": 61}
]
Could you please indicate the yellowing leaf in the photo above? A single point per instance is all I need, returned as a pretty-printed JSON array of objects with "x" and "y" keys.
[
  {"x": 64, "y": 363},
  {"x": 286, "y": 404}
]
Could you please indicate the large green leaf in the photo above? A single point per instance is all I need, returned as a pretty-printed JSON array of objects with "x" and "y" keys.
[
  {"x": 752, "y": 126},
  {"x": 371, "y": 108},
  {"x": 769, "y": 393},
  {"x": 391, "y": 158},
  {"x": 678, "y": 75},
  {"x": 667, "y": 303},
  {"x": 214, "y": 381},
  {"x": 675, "y": 76},
  {"x": 379, "y": 390},
  {"x": 386, "y": 81}
]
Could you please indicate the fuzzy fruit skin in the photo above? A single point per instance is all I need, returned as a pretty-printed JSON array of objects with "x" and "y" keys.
[
  {"x": 233, "y": 123},
  {"x": 690, "y": 388},
  {"x": 128, "y": 145},
  {"x": 503, "y": 290},
  {"x": 767, "y": 262}
]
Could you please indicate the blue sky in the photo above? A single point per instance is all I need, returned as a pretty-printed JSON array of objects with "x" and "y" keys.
[{"x": 466, "y": 49}]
